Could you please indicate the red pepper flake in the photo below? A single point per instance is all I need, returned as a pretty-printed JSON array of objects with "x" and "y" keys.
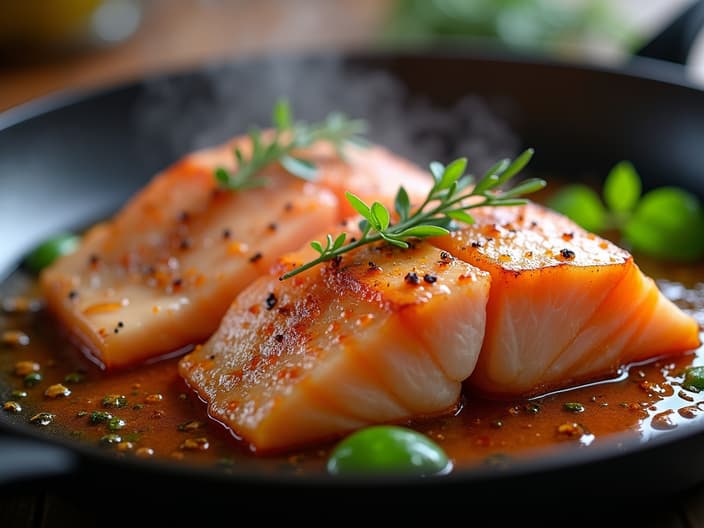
[
  {"x": 270, "y": 301},
  {"x": 184, "y": 244},
  {"x": 567, "y": 254},
  {"x": 93, "y": 261},
  {"x": 177, "y": 283},
  {"x": 430, "y": 279},
  {"x": 412, "y": 278},
  {"x": 279, "y": 338},
  {"x": 567, "y": 236},
  {"x": 336, "y": 261},
  {"x": 257, "y": 256}
]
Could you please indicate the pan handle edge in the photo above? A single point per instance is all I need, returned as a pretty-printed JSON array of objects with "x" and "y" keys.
[
  {"x": 674, "y": 43},
  {"x": 22, "y": 460}
]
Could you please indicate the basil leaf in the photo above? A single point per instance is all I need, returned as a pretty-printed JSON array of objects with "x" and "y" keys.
[
  {"x": 668, "y": 223},
  {"x": 581, "y": 204},
  {"x": 622, "y": 188}
]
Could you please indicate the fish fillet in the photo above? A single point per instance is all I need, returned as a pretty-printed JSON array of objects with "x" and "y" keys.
[
  {"x": 565, "y": 307},
  {"x": 159, "y": 276},
  {"x": 343, "y": 346}
]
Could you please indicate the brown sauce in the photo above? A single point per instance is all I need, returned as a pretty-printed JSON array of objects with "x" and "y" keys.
[{"x": 162, "y": 419}]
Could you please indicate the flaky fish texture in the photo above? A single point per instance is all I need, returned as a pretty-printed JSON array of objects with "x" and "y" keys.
[{"x": 383, "y": 335}]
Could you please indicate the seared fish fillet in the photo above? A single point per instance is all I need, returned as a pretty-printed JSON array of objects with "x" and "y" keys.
[
  {"x": 386, "y": 335},
  {"x": 565, "y": 305},
  {"x": 160, "y": 275}
]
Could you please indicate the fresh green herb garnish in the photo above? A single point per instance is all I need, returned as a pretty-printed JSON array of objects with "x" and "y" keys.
[
  {"x": 446, "y": 203},
  {"x": 666, "y": 222},
  {"x": 287, "y": 137},
  {"x": 49, "y": 250},
  {"x": 573, "y": 407}
]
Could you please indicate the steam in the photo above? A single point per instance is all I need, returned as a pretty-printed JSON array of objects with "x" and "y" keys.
[{"x": 177, "y": 115}]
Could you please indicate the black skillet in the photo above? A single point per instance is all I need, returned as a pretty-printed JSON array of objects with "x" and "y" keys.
[{"x": 68, "y": 160}]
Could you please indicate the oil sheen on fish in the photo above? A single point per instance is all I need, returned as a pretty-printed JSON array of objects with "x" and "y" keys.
[
  {"x": 565, "y": 307},
  {"x": 159, "y": 276},
  {"x": 382, "y": 336}
]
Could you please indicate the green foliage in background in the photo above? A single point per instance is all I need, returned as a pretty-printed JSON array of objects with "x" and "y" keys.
[{"x": 553, "y": 26}]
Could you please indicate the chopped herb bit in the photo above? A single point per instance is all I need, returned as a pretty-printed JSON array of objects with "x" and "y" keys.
[
  {"x": 115, "y": 401},
  {"x": 32, "y": 379},
  {"x": 110, "y": 439},
  {"x": 447, "y": 202},
  {"x": 98, "y": 417},
  {"x": 12, "y": 407},
  {"x": 573, "y": 407},
  {"x": 115, "y": 423},
  {"x": 532, "y": 408},
  {"x": 132, "y": 437},
  {"x": 138, "y": 406},
  {"x": 42, "y": 418},
  {"x": 191, "y": 425},
  {"x": 81, "y": 414},
  {"x": 74, "y": 377},
  {"x": 19, "y": 394},
  {"x": 288, "y": 137}
]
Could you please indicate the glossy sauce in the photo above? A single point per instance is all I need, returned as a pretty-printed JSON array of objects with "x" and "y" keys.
[{"x": 162, "y": 419}]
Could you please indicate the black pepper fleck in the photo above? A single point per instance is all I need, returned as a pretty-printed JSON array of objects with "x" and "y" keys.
[
  {"x": 430, "y": 279},
  {"x": 73, "y": 294},
  {"x": 272, "y": 227},
  {"x": 567, "y": 254},
  {"x": 279, "y": 338},
  {"x": 257, "y": 256},
  {"x": 270, "y": 301},
  {"x": 412, "y": 278},
  {"x": 226, "y": 234},
  {"x": 373, "y": 266}
]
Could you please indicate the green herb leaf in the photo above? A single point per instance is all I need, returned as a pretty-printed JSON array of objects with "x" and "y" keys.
[
  {"x": 423, "y": 231},
  {"x": 358, "y": 205},
  {"x": 317, "y": 246},
  {"x": 446, "y": 203},
  {"x": 582, "y": 205},
  {"x": 402, "y": 204},
  {"x": 280, "y": 146},
  {"x": 453, "y": 172},
  {"x": 622, "y": 188},
  {"x": 49, "y": 250},
  {"x": 667, "y": 223},
  {"x": 304, "y": 169},
  {"x": 515, "y": 166},
  {"x": 282, "y": 115},
  {"x": 381, "y": 215}
]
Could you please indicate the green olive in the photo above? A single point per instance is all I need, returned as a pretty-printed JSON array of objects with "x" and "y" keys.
[
  {"x": 48, "y": 251},
  {"x": 694, "y": 378},
  {"x": 388, "y": 449}
]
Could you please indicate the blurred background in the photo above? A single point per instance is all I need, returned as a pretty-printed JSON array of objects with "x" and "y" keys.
[{"x": 50, "y": 45}]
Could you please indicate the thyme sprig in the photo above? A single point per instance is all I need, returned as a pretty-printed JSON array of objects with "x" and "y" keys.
[
  {"x": 288, "y": 135},
  {"x": 448, "y": 202}
]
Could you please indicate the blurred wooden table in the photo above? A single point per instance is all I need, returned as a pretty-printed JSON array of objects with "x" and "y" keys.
[{"x": 177, "y": 34}]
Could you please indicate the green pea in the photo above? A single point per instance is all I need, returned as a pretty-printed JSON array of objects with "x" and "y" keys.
[
  {"x": 694, "y": 378},
  {"x": 48, "y": 251},
  {"x": 388, "y": 449}
]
